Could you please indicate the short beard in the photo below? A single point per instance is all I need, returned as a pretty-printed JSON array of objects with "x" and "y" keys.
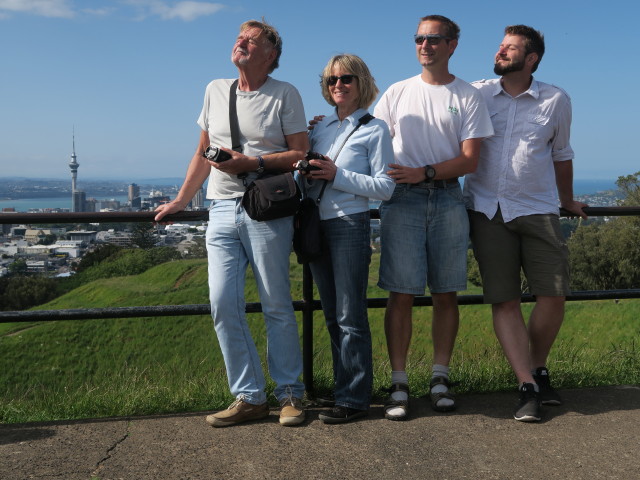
[{"x": 512, "y": 67}]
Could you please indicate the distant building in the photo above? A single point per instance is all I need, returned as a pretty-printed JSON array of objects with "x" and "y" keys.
[
  {"x": 155, "y": 198},
  {"x": 107, "y": 205},
  {"x": 79, "y": 201},
  {"x": 197, "y": 203},
  {"x": 35, "y": 235},
  {"x": 181, "y": 228},
  {"x": 121, "y": 239},
  {"x": 82, "y": 235},
  {"x": 134, "y": 195},
  {"x": 71, "y": 248},
  {"x": 37, "y": 266},
  {"x": 90, "y": 205},
  {"x": 19, "y": 231}
]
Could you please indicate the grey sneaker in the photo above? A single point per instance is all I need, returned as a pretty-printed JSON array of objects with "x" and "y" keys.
[
  {"x": 238, "y": 412},
  {"x": 291, "y": 411},
  {"x": 528, "y": 409},
  {"x": 548, "y": 395}
]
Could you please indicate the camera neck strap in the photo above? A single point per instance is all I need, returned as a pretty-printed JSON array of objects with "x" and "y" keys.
[
  {"x": 363, "y": 120},
  {"x": 233, "y": 118}
]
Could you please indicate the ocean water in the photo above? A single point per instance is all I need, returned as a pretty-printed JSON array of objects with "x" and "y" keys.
[
  {"x": 585, "y": 187},
  {"x": 26, "y": 204},
  {"x": 580, "y": 187}
]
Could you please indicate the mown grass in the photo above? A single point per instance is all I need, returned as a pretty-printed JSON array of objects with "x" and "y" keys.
[{"x": 96, "y": 368}]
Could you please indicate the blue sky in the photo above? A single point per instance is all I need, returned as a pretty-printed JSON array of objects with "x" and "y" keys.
[{"x": 129, "y": 75}]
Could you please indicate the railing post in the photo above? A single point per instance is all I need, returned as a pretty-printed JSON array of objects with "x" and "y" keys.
[{"x": 307, "y": 328}]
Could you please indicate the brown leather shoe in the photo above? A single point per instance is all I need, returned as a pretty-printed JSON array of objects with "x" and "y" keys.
[
  {"x": 292, "y": 412},
  {"x": 238, "y": 412}
]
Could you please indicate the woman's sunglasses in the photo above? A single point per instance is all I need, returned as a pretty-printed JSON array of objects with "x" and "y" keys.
[{"x": 345, "y": 79}]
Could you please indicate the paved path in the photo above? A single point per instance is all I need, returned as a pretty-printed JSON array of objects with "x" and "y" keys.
[{"x": 595, "y": 435}]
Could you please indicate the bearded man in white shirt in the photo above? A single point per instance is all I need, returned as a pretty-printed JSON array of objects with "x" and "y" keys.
[{"x": 524, "y": 171}]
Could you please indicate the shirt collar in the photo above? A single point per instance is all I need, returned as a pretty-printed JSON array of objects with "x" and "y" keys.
[
  {"x": 533, "y": 90},
  {"x": 351, "y": 119}
]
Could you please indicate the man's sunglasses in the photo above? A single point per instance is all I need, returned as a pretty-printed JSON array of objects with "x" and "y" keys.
[
  {"x": 432, "y": 39},
  {"x": 345, "y": 79}
]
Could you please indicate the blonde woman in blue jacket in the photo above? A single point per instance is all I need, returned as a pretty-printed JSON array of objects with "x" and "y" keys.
[{"x": 355, "y": 161}]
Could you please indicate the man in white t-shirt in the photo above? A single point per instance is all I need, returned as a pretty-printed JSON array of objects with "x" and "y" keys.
[
  {"x": 437, "y": 122},
  {"x": 272, "y": 134},
  {"x": 513, "y": 211}
]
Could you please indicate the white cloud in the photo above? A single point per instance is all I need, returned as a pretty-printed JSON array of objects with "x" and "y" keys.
[
  {"x": 43, "y": 8},
  {"x": 187, "y": 10},
  {"x": 98, "y": 12}
]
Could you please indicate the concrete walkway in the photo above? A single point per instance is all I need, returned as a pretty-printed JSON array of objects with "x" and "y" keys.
[{"x": 595, "y": 435}]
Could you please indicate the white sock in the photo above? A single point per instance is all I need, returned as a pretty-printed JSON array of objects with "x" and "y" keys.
[
  {"x": 441, "y": 371},
  {"x": 398, "y": 376}
]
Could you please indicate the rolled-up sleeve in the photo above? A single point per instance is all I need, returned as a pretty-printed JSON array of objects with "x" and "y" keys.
[{"x": 561, "y": 150}]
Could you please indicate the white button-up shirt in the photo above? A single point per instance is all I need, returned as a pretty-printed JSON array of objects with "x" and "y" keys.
[{"x": 515, "y": 170}]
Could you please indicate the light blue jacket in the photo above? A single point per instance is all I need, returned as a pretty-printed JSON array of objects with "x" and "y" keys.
[{"x": 362, "y": 164}]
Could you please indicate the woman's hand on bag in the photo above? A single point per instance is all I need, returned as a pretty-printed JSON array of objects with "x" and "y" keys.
[{"x": 327, "y": 170}]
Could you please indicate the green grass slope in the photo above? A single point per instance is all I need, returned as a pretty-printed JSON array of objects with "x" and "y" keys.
[{"x": 93, "y": 368}]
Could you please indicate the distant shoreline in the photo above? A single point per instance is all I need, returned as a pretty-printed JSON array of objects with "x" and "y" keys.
[{"x": 52, "y": 201}]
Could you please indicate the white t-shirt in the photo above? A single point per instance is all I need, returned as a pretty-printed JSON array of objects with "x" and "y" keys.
[
  {"x": 265, "y": 116},
  {"x": 428, "y": 122}
]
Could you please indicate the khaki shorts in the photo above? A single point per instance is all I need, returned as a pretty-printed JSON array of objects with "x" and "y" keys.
[{"x": 534, "y": 243}]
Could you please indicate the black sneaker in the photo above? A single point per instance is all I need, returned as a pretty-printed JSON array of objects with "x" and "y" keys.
[
  {"x": 529, "y": 407},
  {"x": 548, "y": 396},
  {"x": 325, "y": 399},
  {"x": 340, "y": 414}
]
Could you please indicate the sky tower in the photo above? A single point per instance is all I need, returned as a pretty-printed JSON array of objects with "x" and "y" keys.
[{"x": 73, "y": 165}]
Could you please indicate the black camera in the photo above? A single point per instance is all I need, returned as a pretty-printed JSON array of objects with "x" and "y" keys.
[
  {"x": 215, "y": 154},
  {"x": 304, "y": 165}
]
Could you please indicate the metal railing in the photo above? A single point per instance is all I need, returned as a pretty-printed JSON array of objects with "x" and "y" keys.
[{"x": 307, "y": 305}]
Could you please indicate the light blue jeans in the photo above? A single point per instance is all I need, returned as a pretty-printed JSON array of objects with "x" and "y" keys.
[
  {"x": 233, "y": 242},
  {"x": 342, "y": 276}
]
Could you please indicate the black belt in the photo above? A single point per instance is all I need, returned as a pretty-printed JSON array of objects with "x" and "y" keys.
[{"x": 439, "y": 183}]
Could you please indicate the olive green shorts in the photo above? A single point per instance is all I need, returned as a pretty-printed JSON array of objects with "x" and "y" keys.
[{"x": 533, "y": 243}]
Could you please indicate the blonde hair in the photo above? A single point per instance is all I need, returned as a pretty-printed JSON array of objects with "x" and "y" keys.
[{"x": 368, "y": 91}]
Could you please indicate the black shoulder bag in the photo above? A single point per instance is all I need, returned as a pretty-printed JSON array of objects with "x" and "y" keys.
[
  {"x": 308, "y": 242},
  {"x": 273, "y": 194}
]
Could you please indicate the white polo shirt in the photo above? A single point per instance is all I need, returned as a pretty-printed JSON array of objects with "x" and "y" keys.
[{"x": 516, "y": 170}]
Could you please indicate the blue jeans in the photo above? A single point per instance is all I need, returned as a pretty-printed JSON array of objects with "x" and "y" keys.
[
  {"x": 233, "y": 242},
  {"x": 424, "y": 234},
  {"x": 342, "y": 275}
]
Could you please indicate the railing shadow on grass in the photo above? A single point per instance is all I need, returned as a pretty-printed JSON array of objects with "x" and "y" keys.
[{"x": 307, "y": 305}]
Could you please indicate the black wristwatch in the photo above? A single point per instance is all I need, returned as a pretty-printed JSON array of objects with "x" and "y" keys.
[
  {"x": 260, "y": 164},
  {"x": 429, "y": 173}
]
